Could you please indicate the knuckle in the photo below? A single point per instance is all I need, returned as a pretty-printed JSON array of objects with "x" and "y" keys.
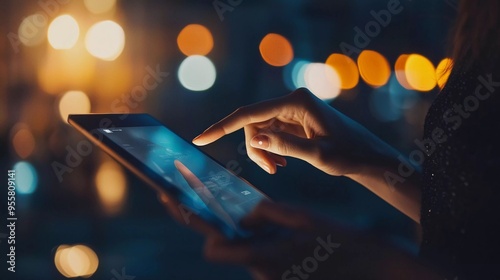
[
  {"x": 303, "y": 97},
  {"x": 302, "y": 92}
]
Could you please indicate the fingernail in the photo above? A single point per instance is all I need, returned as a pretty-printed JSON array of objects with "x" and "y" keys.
[
  {"x": 260, "y": 142},
  {"x": 195, "y": 140}
]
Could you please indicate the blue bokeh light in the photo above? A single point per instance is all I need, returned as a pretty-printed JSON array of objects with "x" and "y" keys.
[{"x": 26, "y": 177}]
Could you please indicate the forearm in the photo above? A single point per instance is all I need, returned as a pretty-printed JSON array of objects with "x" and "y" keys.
[{"x": 389, "y": 175}]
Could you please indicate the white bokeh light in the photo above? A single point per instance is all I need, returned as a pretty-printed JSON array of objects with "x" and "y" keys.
[
  {"x": 105, "y": 40},
  {"x": 73, "y": 102},
  {"x": 63, "y": 32},
  {"x": 322, "y": 80},
  {"x": 197, "y": 73}
]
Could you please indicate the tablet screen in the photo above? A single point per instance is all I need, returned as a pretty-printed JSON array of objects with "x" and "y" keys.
[{"x": 204, "y": 184}]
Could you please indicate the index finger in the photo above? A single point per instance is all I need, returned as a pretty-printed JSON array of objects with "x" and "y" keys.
[{"x": 255, "y": 113}]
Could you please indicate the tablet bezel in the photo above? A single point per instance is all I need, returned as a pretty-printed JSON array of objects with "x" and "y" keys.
[{"x": 89, "y": 125}]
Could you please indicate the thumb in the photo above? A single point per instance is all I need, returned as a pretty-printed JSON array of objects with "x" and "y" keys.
[{"x": 285, "y": 144}]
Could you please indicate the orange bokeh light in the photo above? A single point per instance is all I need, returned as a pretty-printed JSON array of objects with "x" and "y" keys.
[
  {"x": 443, "y": 71},
  {"x": 400, "y": 70},
  {"x": 374, "y": 68},
  {"x": 276, "y": 50},
  {"x": 420, "y": 72},
  {"x": 23, "y": 141},
  {"x": 346, "y": 69},
  {"x": 195, "y": 39}
]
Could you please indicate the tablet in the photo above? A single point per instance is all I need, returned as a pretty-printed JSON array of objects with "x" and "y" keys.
[{"x": 172, "y": 165}]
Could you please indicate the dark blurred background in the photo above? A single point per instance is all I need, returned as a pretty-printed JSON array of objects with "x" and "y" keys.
[{"x": 81, "y": 214}]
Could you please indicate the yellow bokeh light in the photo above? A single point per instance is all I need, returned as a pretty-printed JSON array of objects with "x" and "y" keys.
[
  {"x": 73, "y": 102},
  {"x": 105, "y": 40},
  {"x": 322, "y": 80},
  {"x": 374, "y": 68},
  {"x": 400, "y": 70},
  {"x": 195, "y": 39},
  {"x": 99, "y": 6},
  {"x": 76, "y": 261},
  {"x": 61, "y": 254},
  {"x": 420, "y": 73},
  {"x": 32, "y": 29},
  {"x": 111, "y": 186},
  {"x": 63, "y": 32},
  {"x": 276, "y": 50},
  {"x": 23, "y": 141},
  {"x": 346, "y": 69},
  {"x": 443, "y": 71}
]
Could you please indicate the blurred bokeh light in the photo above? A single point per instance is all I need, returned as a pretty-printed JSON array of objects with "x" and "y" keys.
[
  {"x": 105, "y": 40},
  {"x": 374, "y": 68},
  {"x": 197, "y": 73},
  {"x": 104, "y": 56},
  {"x": 420, "y": 73},
  {"x": 76, "y": 261},
  {"x": 23, "y": 140},
  {"x": 195, "y": 39},
  {"x": 443, "y": 71},
  {"x": 346, "y": 69},
  {"x": 26, "y": 179},
  {"x": 298, "y": 73},
  {"x": 32, "y": 29},
  {"x": 99, "y": 6},
  {"x": 276, "y": 50},
  {"x": 399, "y": 97},
  {"x": 67, "y": 69},
  {"x": 63, "y": 32},
  {"x": 111, "y": 186},
  {"x": 73, "y": 102},
  {"x": 322, "y": 80},
  {"x": 400, "y": 71}
]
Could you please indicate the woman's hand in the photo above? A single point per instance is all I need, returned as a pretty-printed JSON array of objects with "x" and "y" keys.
[
  {"x": 306, "y": 246},
  {"x": 302, "y": 126},
  {"x": 298, "y": 245}
]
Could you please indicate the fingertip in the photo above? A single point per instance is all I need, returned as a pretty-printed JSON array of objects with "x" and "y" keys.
[
  {"x": 268, "y": 169},
  {"x": 201, "y": 140},
  {"x": 196, "y": 138},
  {"x": 197, "y": 141},
  {"x": 281, "y": 162}
]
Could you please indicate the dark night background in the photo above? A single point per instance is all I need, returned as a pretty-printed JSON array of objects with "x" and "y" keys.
[{"x": 137, "y": 235}]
